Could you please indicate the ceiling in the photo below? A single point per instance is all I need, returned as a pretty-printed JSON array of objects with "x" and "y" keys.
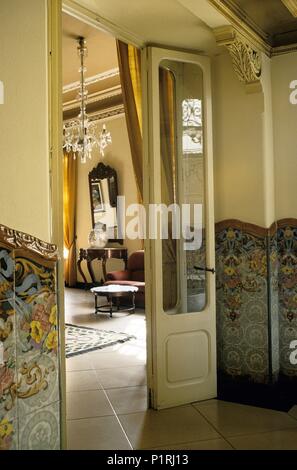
[
  {"x": 102, "y": 57},
  {"x": 270, "y": 18},
  {"x": 164, "y": 22},
  {"x": 187, "y": 23}
]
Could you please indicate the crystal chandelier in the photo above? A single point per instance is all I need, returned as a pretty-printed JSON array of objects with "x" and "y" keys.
[{"x": 80, "y": 136}]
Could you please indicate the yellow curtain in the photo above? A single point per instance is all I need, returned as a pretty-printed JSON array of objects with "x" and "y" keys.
[
  {"x": 168, "y": 181},
  {"x": 130, "y": 73},
  {"x": 69, "y": 209}
]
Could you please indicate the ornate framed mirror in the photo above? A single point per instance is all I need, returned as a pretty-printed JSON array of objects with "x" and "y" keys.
[{"x": 103, "y": 186}]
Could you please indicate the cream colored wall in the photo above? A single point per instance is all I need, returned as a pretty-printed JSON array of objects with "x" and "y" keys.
[
  {"x": 24, "y": 176},
  {"x": 284, "y": 71},
  {"x": 118, "y": 156},
  {"x": 243, "y": 154}
]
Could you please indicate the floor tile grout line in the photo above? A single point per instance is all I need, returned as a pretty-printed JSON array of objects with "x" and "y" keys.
[
  {"x": 188, "y": 442},
  {"x": 245, "y": 434},
  {"x": 118, "y": 420},
  {"x": 286, "y": 429},
  {"x": 214, "y": 427},
  {"x": 91, "y": 417}
]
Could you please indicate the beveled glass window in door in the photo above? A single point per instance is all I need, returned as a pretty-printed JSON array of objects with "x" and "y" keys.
[{"x": 183, "y": 185}]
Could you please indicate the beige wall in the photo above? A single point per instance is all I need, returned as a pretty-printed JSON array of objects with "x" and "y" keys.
[
  {"x": 238, "y": 146},
  {"x": 24, "y": 176},
  {"x": 284, "y": 71},
  {"x": 118, "y": 156},
  {"x": 243, "y": 145}
]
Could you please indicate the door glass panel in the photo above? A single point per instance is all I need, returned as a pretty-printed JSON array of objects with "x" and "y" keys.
[{"x": 182, "y": 187}]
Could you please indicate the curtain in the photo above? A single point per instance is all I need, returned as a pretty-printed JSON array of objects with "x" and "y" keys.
[
  {"x": 69, "y": 224},
  {"x": 130, "y": 73},
  {"x": 168, "y": 181}
]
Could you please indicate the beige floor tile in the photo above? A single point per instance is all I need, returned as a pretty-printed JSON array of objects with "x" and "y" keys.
[
  {"x": 276, "y": 440},
  {"x": 124, "y": 357},
  {"x": 132, "y": 376},
  {"x": 157, "y": 428},
  {"x": 79, "y": 380},
  {"x": 293, "y": 412},
  {"x": 87, "y": 404},
  {"x": 128, "y": 400},
  {"x": 213, "y": 444},
  {"x": 232, "y": 419},
  {"x": 103, "y": 433},
  {"x": 81, "y": 362}
]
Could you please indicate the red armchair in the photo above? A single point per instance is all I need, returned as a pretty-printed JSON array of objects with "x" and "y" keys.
[{"x": 132, "y": 276}]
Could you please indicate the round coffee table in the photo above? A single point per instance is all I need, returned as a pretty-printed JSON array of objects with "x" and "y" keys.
[{"x": 111, "y": 292}]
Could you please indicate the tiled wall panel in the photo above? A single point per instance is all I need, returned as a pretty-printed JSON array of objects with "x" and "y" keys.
[{"x": 29, "y": 374}]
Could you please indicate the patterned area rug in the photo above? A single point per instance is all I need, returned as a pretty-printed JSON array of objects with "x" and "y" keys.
[{"x": 81, "y": 339}]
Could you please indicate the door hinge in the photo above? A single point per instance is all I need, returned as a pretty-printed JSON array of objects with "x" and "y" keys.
[{"x": 150, "y": 398}]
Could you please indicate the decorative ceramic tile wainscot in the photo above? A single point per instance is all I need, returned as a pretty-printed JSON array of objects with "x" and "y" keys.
[
  {"x": 29, "y": 331},
  {"x": 256, "y": 299}
]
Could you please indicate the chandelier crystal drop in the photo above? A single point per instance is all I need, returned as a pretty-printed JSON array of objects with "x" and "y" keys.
[{"x": 80, "y": 135}]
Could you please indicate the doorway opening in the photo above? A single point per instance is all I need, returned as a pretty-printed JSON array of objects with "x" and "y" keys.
[{"x": 104, "y": 271}]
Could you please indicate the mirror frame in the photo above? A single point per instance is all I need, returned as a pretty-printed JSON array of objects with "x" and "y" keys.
[{"x": 99, "y": 173}]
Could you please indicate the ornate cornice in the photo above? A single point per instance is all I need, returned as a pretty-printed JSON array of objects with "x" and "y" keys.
[
  {"x": 95, "y": 97},
  {"x": 244, "y": 25},
  {"x": 245, "y": 58},
  {"x": 93, "y": 79},
  {"x": 15, "y": 240},
  {"x": 292, "y": 6},
  {"x": 105, "y": 114}
]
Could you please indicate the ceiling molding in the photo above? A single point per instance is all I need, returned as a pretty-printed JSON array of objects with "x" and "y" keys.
[
  {"x": 280, "y": 50},
  {"x": 94, "y": 97},
  {"x": 107, "y": 114},
  {"x": 93, "y": 79},
  {"x": 244, "y": 25},
  {"x": 291, "y": 5},
  {"x": 93, "y": 19},
  {"x": 246, "y": 59}
]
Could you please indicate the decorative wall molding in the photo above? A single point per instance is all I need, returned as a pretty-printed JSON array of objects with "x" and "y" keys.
[
  {"x": 81, "y": 13},
  {"x": 95, "y": 97},
  {"x": 245, "y": 58},
  {"x": 244, "y": 25},
  {"x": 292, "y": 6},
  {"x": 16, "y": 239},
  {"x": 253, "y": 229},
  {"x": 93, "y": 79}
]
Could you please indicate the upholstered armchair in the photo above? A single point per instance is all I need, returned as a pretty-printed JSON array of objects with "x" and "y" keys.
[{"x": 132, "y": 276}]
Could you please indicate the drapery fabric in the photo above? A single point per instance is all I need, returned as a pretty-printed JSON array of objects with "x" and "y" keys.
[
  {"x": 168, "y": 182},
  {"x": 69, "y": 225},
  {"x": 130, "y": 74}
]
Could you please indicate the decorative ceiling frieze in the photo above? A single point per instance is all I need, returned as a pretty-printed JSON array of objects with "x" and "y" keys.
[
  {"x": 292, "y": 6},
  {"x": 246, "y": 58}
]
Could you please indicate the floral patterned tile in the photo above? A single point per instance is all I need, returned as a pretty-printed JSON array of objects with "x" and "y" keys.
[
  {"x": 6, "y": 273},
  {"x": 37, "y": 352},
  {"x": 8, "y": 366},
  {"x": 38, "y": 382},
  {"x": 242, "y": 303},
  {"x": 41, "y": 430},
  {"x": 287, "y": 285},
  {"x": 33, "y": 276},
  {"x": 8, "y": 434}
]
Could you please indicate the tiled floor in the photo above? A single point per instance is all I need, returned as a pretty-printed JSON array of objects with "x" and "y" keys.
[{"x": 107, "y": 403}]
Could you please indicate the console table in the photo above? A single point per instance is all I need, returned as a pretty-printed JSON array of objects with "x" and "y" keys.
[{"x": 101, "y": 254}]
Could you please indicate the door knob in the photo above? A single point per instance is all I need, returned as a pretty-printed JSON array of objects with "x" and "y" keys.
[{"x": 210, "y": 270}]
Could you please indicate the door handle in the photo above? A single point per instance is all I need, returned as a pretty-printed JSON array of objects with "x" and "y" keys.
[{"x": 210, "y": 270}]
